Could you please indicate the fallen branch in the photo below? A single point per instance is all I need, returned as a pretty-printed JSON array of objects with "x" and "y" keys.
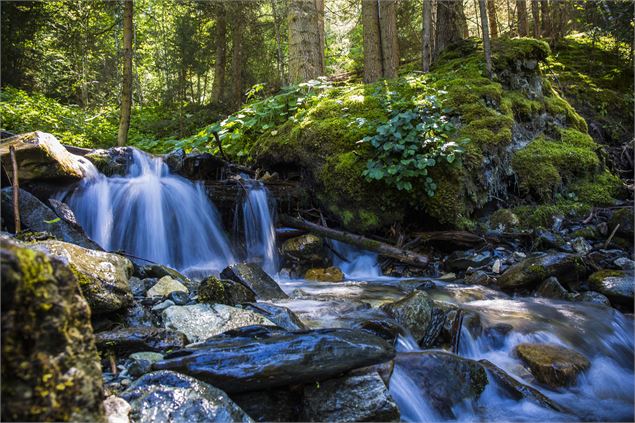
[
  {"x": 16, "y": 191},
  {"x": 610, "y": 238},
  {"x": 404, "y": 256}
]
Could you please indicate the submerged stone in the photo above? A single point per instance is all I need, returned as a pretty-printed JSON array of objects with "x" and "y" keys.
[
  {"x": 553, "y": 365},
  {"x": 252, "y": 276},
  {"x": 327, "y": 274},
  {"x": 256, "y": 357}
]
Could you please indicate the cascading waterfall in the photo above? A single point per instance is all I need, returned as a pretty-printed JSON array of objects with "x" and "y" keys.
[
  {"x": 359, "y": 264},
  {"x": 154, "y": 215},
  {"x": 258, "y": 225}
]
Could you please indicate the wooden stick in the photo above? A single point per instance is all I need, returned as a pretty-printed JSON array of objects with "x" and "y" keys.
[
  {"x": 608, "y": 241},
  {"x": 404, "y": 256},
  {"x": 16, "y": 191}
]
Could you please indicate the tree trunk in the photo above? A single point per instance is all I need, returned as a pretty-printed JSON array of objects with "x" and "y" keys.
[
  {"x": 521, "y": 5},
  {"x": 486, "y": 43},
  {"x": 491, "y": 14},
  {"x": 404, "y": 256},
  {"x": 479, "y": 25},
  {"x": 126, "y": 89},
  {"x": 218, "y": 86},
  {"x": 237, "y": 59},
  {"x": 276, "y": 26},
  {"x": 388, "y": 31},
  {"x": 319, "y": 7},
  {"x": 373, "y": 67},
  {"x": 535, "y": 12},
  {"x": 451, "y": 24},
  {"x": 305, "y": 58},
  {"x": 427, "y": 30}
]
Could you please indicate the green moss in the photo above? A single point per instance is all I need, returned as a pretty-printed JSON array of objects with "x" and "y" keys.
[
  {"x": 505, "y": 51},
  {"x": 588, "y": 232},
  {"x": 544, "y": 215},
  {"x": 523, "y": 108},
  {"x": 504, "y": 218},
  {"x": 561, "y": 109},
  {"x": 599, "y": 190},
  {"x": 596, "y": 278}
]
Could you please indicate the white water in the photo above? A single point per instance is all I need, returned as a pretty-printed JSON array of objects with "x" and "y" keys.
[
  {"x": 258, "y": 224},
  {"x": 153, "y": 214},
  {"x": 359, "y": 264}
]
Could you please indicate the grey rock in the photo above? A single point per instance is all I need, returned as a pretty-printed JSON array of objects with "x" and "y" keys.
[
  {"x": 147, "y": 355},
  {"x": 117, "y": 410},
  {"x": 129, "y": 340},
  {"x": 359, "y": 398},
  {"x": 271, "y": 405},
  {"x": 625, "y": 263},
  {"x": 281, "y": 316},
  {"x": 163, "y": 305},
  {"x": 201, "y": 321},
  {"x": 551, "y": 288},
  {"x": 617, "y": 285},
  {"x": 462, "y": 260},
  {"x": 594, "y": 298},
  {"x": 307, "y": 249},
  {"x": 529, "y": 272},
  {"x": 171, "y": 397},
  {"x": 178, "y": 297},
  {"x": 137, "y": 286},
  {"x": 252, "y": 276},
  {"x": 414, "y": 312},
  {"x": 165, "y": 286},
  {"x": 224, "y": 291},
  {"x": 175, "y": 159},
  {"x": 113, "y": 161},
  {"x": 581, "y": 245}
]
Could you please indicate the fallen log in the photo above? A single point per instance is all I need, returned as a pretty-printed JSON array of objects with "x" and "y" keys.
[
  {"x": 456, "y": 238},
  {"x": 408, "y": 257}
]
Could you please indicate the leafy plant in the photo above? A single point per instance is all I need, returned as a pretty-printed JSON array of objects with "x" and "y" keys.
[{"x": 410, "y": 143}]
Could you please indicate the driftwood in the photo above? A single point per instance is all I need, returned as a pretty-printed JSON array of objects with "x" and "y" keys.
[
  {"x": 404, "y": 256},
  {"x": 16, "y": 191}
]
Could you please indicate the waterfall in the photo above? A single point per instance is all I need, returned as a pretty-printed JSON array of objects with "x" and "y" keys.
[
  {"x": 258, "y": 225},
  {"x": 359, "y": 264},
  {"x": 153, "y": 214}
]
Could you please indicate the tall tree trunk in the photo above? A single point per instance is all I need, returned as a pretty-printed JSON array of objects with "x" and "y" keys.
[
  {"x": 546, "y": 21},
  {"x": 319, "y": 7},
  {"x": 521, "y": 5},
  {"x": 451, "y": 24},
  {"x": 373, "y": 66},
  {"x": 305, "y": 58},
  {"x": 427, "y": 30},
  {"x": 486, "y": 43},
  {"x": 126, "y": 89},
  {"x": 535, "y": 13},
  {"x": 218, "y": 86},
  {"x": 237, "y": 56},
  {"x": 388, "y": 31},
  {"x": 276, "y": 26},
  {"x": 478, "y": 24},
  {"x": 491, "y": 14}
]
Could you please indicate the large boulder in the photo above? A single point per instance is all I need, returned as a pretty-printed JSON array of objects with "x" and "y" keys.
[
  {"x": 552, "y": 365},
  {"x": 568, "y": 268},
  {"x": 113, "y": 161},
  {"x": 256, "y": 358},
  {"x": 417, "y": 313},
  {"x": 252, "y": 276},
  {"x": 37, "y": 217},
  {"x": 130, "y": 340},
  {"x": 625, "y": 219},
  {"x": 50, "y": 366},
  {"x": 41, "y": 156},
  {"x": 171, "y": 397},
  {"x": 617, "y": 285},
  {"x": 356, "y": 398},
  {"x": 445, "y": 378},
  {"x": 201, "y": 321},
  {"x": 224, "y": 291},
  {"x": 103, "y": 277},
  {"x": 307, "y": 249}
]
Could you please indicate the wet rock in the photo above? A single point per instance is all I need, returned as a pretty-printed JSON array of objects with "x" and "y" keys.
[
  {"x": 201, "y": 321},
  {"x": 137, "y": 286},
  {"x": 145, "y": 270},
  {"x": 281, "y": 316},
  {"x": 178, "y": 297},
  {"x": 414, "y": 312},
  {"x": 224, "y": 291},
  {"x": 165, "y": 286},
  {"x": 383, "y": 328},
  {"x": 256, "y": 357},
  {"x": 127, "y": 340},
  {"x": 497, "y": 333},
  {"x": 462, "y": 260},
  {"x": 117, "y": 410},
  {"x": 551, "y": 288},
  {"x": 147, "y": 355},
  {"x": 617, "y": 285},
  {"x": 171, "y": 397},
  {"x": 37, "y": 217},
  {"x": 103, "y": 277},
  {"x": 359, "y": 398},
  {"x": 625, "y": 263},
  {"x": 163, "y": 305},
  {"x": 623, "y": 217},
  {"x": 327, "y": 274},
  {"x": 271, "y": 405},
  {"x": 50, "y": 366},
  {"x": 497, "y": 266},
  {"x": 567, "y": 267},
  {"x": 447, "y": 379},
  {"x": 553, "y": 365},
  {"x": 113, "y": 161},
  {"x": 175, "y": 159},
  {"x": 581, "y": 245},
  {"x": 308, "y": 249},
  {"x": 593, "y": 297},
  {"x": 41, "y": 156},
  {"x": 478, "y": 277},
  {"x": 518, "y": 390},
  {"x": 252, "y": 276},
  {"x": 547, "y": 239},
  {"x": 503, "y": 219},
  {"x": 141, "y": 363}
]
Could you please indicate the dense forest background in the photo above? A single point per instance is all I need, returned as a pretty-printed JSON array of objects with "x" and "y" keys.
[{"x": 194, "y": 62}]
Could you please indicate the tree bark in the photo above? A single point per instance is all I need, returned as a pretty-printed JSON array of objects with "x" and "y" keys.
[
  {"x": 388, "y": 31},
  {"x": 319, "y": 7},
  {"x": 404, "y": 256},
  {"x": 373, "y": 67},
  {"x": 493, "y": 22},
  {"x": 237, "y": 56},
  {"x": 16, "y": 191},
  {"x": 218, "y": 86},
  {"x": 427, "y": 30},
  {"x": 521, "y": 5},
  {"x": 486, "y": 43},
  {"x": 305, "y": 58},
  {"x": 535, "y": 14},
  {"x": 546, "y": 21},
  {"x": 276, "y": 26},
  {"x": 126, "y": 89},
  {"x": 451, "y": 24}
]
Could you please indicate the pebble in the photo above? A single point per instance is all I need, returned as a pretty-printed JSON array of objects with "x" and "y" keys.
[{"x": 496, "y": 267}]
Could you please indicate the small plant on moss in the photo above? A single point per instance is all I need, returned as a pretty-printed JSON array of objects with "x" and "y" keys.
[{"x": 410, "y": 143}]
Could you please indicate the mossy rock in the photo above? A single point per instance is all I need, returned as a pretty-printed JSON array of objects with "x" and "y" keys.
[
  {"x": 328, "y": 274},
  {"x": 223, "y": 291},
  {"x": 50, "y": 366},
  {"x": 553, "y": 365}
]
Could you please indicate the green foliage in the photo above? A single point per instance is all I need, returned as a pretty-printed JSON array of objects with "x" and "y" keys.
[{"x": 410, "y": 143}]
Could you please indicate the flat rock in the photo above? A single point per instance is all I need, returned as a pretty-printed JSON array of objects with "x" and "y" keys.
[
  {"x": 165, "y": 286},
  {"x": 136, "y": 339},
  {"x": 552, "y": 365},
  {"x": 171, "y": 397},
  {"x": 568, "y": 268},
  {"x": 252, "y": 276},
  {"x": 201, "y": 321},
  {"x": 256, "y": 357},
  {"x": 358, "y": 398}
]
